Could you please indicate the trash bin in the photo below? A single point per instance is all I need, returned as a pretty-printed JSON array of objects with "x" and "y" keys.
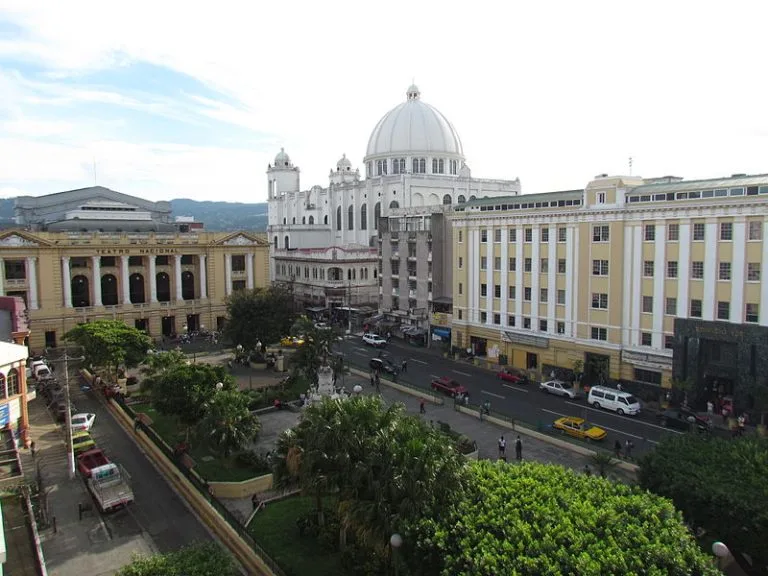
[{"x": 280, "y": 363}]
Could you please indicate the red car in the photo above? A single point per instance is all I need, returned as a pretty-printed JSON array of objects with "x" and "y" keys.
[
  {"x": 449, "y": 386},
  {"x": 512, "y": 377}
]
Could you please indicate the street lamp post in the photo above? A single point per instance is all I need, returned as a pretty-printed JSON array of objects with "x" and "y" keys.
[
  {"x": 722, "y": 552},
  {"x": 395, "y": 541},
  {"x": 68, "y": 416}
]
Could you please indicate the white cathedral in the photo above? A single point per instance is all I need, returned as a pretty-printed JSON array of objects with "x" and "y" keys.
[{"x": 325, "y": 240}]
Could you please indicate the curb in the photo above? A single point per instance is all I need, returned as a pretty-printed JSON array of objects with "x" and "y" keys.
[{"x": 405, "y": 389}]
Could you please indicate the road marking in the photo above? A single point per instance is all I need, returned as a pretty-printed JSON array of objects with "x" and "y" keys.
[
  {"x": 603, "y": 427},
  {"x": 608, "y": 413},
  {"x": 435, "y": 377},
  {"x": 515, "y": 388},
  {"x": 361, "y": 349},
  {"x": 462, "y": 373},
  {"x": 499, "y": 396},
  {"x": 419, "y": 361}
]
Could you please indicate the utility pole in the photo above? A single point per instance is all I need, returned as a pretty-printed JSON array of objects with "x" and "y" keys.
[{"x": 68, "y": 417}]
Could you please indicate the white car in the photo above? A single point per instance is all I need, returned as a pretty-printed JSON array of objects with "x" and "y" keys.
[
  {"x": 374, "y": 340},
  {"x": 559, "y": 388},
  {"x": 82, "y": 421}
]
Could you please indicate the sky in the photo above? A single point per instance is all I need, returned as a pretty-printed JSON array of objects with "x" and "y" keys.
[{"x": 170, "y": 99}]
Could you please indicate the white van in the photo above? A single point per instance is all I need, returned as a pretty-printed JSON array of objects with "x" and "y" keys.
[
  {"x": 612, "y": 399},
  {"x": 42, "y": 372}
]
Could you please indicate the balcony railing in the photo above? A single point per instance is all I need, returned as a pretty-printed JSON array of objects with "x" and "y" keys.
[{"x": 16, "y": 283}]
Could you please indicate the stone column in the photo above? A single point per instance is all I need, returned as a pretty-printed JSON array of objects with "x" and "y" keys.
[
  {"x": 96, "y": 266},
  {"x": 2, "y": 277},
  {"x": 228, "y": 274},
  {"x": 177, "y": 273},
  {"x": 32, "y": 281},
  {"x": 125, "y": 279},
  {"x": 66, "y": 282},
  {"x": 152, "y": 278},
  {"x": 249, "y": 271},
  {"x": 203, "y": 277}
]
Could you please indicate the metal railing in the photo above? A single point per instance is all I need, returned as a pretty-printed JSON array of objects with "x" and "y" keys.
[{"x": 202, "y": 487}]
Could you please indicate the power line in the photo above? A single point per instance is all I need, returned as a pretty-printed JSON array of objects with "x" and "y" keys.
[{"x": 68, "y": 417}]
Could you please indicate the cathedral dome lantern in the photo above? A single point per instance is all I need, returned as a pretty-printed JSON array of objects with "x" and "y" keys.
[
  {"x": 344, "y": 165},
  {"x": 414, "y": 128},
  {"x": 282, "y": 160}
]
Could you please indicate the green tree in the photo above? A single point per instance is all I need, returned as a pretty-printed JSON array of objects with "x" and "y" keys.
[
  {"x": 228, "y": 425},
  {"x": 315, "y": 352},
  {"x": 719, "y": 484},
  {"x": 198, "y": 560},
  {"x": 110, "y": 343},
  {"x": 156, "y": 364},
  {"x": 536, "y": 519},
  {"x": 261, "y": 315},
  {"x": 185, "y": 391}
]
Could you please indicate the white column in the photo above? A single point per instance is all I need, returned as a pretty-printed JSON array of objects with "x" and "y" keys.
[
  {"x": 637, "y": 282},
  {"x": 571, "y": 265},
  {"x": 203, "y": 277},
  {"x": 659, "y": 295},
  {"x": 96, "y": 279},
  {"x": 519, "y": 279},
  {"x": 152, "y": 278},
  {"x": 249, "y": 271},
  {"x": 738, "y": 272},
  {"x": 683, "y": 270},
  {"x": 228, "y": 274},
  {"x": 66, "y": 282},
  {"x": 2, "y": 277},
  {"x": 32, "y": 280},
  {"x": 626, "y": 310},
  {"x": 711, "y": 265},
  {"x": 177, "y": 275},
  {"x": 551, "y": 282},
  {"x": 535, "y": 271},
  {"x": 124, "y": 279},
  {"x": 504, "y": 277},
  {"x": 489, "y": 256}
]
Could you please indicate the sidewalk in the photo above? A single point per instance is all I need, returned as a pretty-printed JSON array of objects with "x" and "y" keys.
[{"x": 71, "y": 546}]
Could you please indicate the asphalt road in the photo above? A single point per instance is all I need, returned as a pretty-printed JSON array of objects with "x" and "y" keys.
[
  {"x": 157, "y": 510},
  {"x": 521, "y": 402}
]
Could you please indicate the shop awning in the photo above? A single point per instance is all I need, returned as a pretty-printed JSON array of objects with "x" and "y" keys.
[{"x": 442, "y": 332}]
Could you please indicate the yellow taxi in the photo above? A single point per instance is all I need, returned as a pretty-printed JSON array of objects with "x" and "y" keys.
[
  {"x": 82, "y": 441},
  {"x": 291, "y": 341},
  {"x": 579, "y": 428}
]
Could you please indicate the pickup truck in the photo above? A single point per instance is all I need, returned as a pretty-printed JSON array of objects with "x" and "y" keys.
[
  {"x": 88, "y": 461},
  {"x": 109, "y": 486}
]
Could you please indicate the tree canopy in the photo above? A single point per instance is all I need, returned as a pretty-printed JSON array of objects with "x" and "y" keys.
[
  {"x": 261, "y": 315},
  {"x": 719, "y": 484},
  {"x": 228, "y": 425},
  {"x": 110, "y": 343},
  {"x": 156, "y": 364},
  {"x": 316, "y": 350},
  {"x": 185, "y": 390},
  {"x": 199, "y": 560},
  {"x": 533, "y": 519}
]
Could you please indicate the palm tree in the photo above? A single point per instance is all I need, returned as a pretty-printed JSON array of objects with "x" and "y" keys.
[{"x": 228, "y": 425}]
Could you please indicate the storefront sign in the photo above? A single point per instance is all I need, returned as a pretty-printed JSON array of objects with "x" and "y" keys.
[
  {"x": 135, "y": 251},
  {"x": 525, "y": 339},
  {"x": 441, "y": 319},
  {"x": 647, "y": 360},
  {"x": 5, "y": 415}
]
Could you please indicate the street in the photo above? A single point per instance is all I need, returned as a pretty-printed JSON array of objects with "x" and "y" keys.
[
  {"x": 520, "y": 402},
  {"x": 157, "y": 511}
]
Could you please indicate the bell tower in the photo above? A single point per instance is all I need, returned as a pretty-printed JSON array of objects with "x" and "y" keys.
[{"x": 282, "y": 176}]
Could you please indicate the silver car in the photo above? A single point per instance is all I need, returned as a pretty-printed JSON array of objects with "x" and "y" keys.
[{"x": 558, "y": 388}]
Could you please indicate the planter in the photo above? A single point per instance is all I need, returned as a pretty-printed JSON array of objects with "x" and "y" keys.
[{"x": 472, "y": 455}]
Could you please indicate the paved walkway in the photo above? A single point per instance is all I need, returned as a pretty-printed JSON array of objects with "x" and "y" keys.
[{"x": 75, "y": 546}]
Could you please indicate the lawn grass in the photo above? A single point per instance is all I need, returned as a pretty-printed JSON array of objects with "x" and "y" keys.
[
  {"x": 220, "y": 469},
  {"x": 275, "y": 530}
]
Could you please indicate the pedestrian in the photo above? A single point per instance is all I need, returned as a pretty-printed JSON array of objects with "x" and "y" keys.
[
  {"x": 710, "y": 408},
  {"x": 136, "y": 424},
  {"x": 378, "y": 383},
  {"x": 373, "y": 379},
  {"x": 502, "y": 448},
  {"x": 617, "y": 448},
  {"x": 618, "y": 386},
  {"x": 587, "y": 470},
  {"x": 404, "y": 366},
  {"x": 255, "y": 501},
  {"x": 628, "y": 445},
  {"x": 389, "y": 336},
  {"x": 422, "y": 407},
  {"x": 519, "y": 448},
  {"x": 33, "y": 448}
]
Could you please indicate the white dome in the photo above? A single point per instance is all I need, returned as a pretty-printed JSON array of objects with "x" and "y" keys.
[
  {"x": 282, "y": 159},
  {"x": 414, "y": 127}
]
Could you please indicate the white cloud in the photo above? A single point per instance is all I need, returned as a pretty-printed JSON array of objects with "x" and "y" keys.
[{"x": 553, "y": 92}]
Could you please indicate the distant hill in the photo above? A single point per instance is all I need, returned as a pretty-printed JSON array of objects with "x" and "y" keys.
[
  {"x": 224, "y": 216},
  {"x": 217, "y": 216}
]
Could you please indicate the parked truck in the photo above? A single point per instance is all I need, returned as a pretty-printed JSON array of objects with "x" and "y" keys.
[
  {"x": 89, "y": 460},
  {"x": 109, "y": 485}
]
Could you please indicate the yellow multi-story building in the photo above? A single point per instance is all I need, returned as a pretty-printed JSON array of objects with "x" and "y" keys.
[
  {"x": 158, "y": 277},
  {"x": 632, "y": 279}
]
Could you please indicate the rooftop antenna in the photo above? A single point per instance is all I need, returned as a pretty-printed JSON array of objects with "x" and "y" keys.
[
  {"x": 94, "y": 171},
  {"x": 630, "y": 165}
]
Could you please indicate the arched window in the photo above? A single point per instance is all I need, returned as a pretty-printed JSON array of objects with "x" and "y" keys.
[
  {"x": 12, "y": 382},
  {"x": 394, "y": 204},
  {"x": 351, "y": 218},
  {"x": 374, "y": 273},
  {"x": 311, "y": 220},
  {"x": 274, "y": 241},
  {"x": 284, "y": 221},
  {"x": 3, "y": 389},
  {"x": 349, "y": 274},
  {"x": 304, "y": 220},
  {"x": 294, "y": 220},
  {"x": 325, "y": 219},
  {"x": 473, "y": 197},
  {"x": 286, "y": 243},
  {"x": 447, "y": 199},
  {"x": 461, "y": 199},
  {"x": 376, "y": 214},
  {"x": 419, "y": 165},
  {"x": 364, "y": 217},
  {"x": 338, "y": 218}
]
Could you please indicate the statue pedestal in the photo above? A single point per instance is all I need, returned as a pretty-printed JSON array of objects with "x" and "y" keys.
[{"x": 325, "y": 387}]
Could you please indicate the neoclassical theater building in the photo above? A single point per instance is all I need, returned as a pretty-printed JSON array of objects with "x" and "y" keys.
[
  {"x": 94, "y": 253},
  {"x": 325, "y": 240}
]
